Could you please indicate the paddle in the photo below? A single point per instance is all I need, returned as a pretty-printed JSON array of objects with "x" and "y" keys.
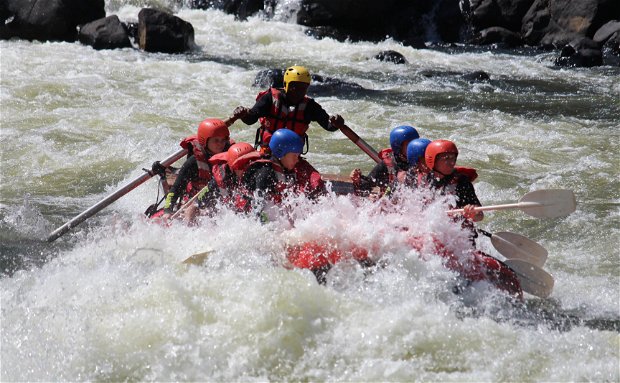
[
  {"x": 357, "y": 140},
  {"x": 546, "y": 203},
  {"x": 532, "y": 278},
  {"x": 111, "y": 198},
  {"x": 516, "y": 246},
  {"x": 198, "y": 258},
  {"x": 186, "y": 205}
]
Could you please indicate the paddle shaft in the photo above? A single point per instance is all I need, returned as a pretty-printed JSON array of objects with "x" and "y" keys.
[
  {"x": 111, "y": 198},
  {"x": 518, "y": 205},
  {"x": 186, "y": 205},
  {"x": 357, "y": 140}
]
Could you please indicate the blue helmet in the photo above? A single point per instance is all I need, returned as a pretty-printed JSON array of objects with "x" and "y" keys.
[
  {"x": 285, "y": 141},
  {"x": 400, "y": 135},
  {"x": 416, "y": 149}
]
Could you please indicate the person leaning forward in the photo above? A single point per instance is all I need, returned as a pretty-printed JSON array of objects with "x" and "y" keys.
[{"x": 288, "y": 108}]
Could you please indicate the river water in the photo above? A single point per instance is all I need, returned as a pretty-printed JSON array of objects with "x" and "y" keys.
[{"x": 110, "y": 301}]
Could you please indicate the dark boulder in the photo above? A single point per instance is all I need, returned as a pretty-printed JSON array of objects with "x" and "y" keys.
[
  {"x": 490, "y": 13},
  {"x": 558, "y": 22},
  {"x": 344, "y": 19},
  {"x": 477, "y": 76},
  {"x": 320, "y": 85},
  {"x": 391, "y": 56},
  {"x": 609, "y": 36},
  {"x": 269, "y": 78},
  {"x": 447, "y": 20},
  {"x": 605, "y": 32},
  {"x": 49, "y": 20},
  {"x": 5, "y": 14},
  {"x": 535, "y": 22},
  {"x": 162, "y": 32},
  {"x": 106, "y": 33},
  {"x": 366, "y": 19},
  {"x": 582, "y": 52},
  {"x": 242, "y": 9},
  {"x": 612, "y": 44},
  {"x": 498, "y": 35}
]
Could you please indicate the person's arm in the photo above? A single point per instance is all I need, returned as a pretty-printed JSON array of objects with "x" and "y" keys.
[
  {"x": 315, "y": 112},
  {"x": 188, "y": 172},
  {"x": 313, "y": 184},
  {"x": 260, "y": 109},
  {"x": 260, "y": 177},
  {"x": 378, "y": 176},
  {"x": 468, "y": 200},
  {"x": 209, "y": 196}
]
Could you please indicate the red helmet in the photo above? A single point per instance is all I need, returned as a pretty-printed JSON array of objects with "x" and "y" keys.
[
  {"x": 211, "y": 127},
  {"x": 236, "y": 151},
  {"x": 438, "y": 147}
]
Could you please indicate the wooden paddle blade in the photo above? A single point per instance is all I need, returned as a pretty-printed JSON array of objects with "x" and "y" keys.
[
  {"x": 516, "y": 246},
  {"x": 549, "y": 203},
  {"x": 198, "y": 258},
  {"x": 533, "y": 279}
]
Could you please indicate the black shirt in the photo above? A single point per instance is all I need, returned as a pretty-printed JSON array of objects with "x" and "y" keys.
[
  {"x": 380, "y": 175},
  {"x": 464, "y": 189}
]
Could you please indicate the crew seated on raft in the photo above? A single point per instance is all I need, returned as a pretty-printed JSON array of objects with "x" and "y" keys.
[{"x": 241, "y": 171}]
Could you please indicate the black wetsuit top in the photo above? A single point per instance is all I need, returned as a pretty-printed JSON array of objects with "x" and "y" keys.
[
  {"x": 465, "y": 192},
  {"x": 380, "y": 175}
]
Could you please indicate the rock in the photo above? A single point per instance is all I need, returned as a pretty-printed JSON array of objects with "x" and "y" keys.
[
  {"x": 448, "y": 20},
  {"x": 477, "y": 76},
  {"x": 609, "y": 36},
  {"x": 535, "y": 22},
  {"x": 162, "y": 32},
  {"x": 391, "y": 56},
  {"x": 582, "y": 52},
  {"x": 613, "y": 44},
  {"x": 50, "y": 20},
  {"x": 483, "y": 14},
  {"x": 106, "y": 33},
  {"x": 367, "y": 20},
  {"x": 320, "y": 85},
  {"x": 558, "y": 22},
  {"x": 269, "y": 78},
  {"x": 5, "y": 14},
  {"x": 242, "y": 9},
  {"x": 606, "y": 31},
  {"x": 498, "y": 35}
]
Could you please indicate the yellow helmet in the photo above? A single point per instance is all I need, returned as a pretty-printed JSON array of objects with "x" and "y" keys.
[{"x": 296, "y": 73}]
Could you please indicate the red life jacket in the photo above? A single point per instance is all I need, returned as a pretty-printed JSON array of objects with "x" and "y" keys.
[
  {"x": 309, "y": 180},
  {"x": 231, "y": 194},
  {"x": 470, "y": 173},
  {"x": 219, "y": 168},
  {"x": 202, "y": 160},
  {"x": 412, "y": 177},
  {"x": 283, "y": 117},
  {"x": 387, "y": 157},
  {"x": 306, "y": 179}
]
